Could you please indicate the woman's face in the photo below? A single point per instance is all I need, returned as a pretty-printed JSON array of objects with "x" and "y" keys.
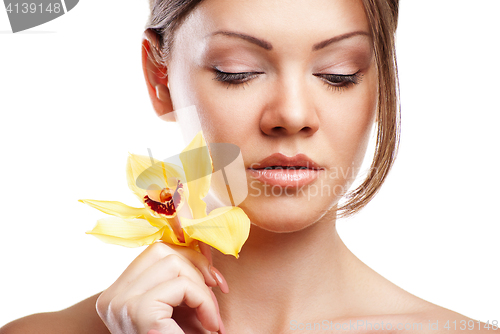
[{"x": 306, "y": 83}]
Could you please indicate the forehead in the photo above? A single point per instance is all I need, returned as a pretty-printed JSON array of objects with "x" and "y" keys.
[{"x": 286, "y": 24}]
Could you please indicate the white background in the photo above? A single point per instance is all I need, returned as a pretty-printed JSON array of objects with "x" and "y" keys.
[{"x": 73, "y": 102}]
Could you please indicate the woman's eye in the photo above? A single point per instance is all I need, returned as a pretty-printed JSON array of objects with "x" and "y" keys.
[
  {"x": 340, "y": 81},
  {"x": 333, "y": 81},
  {"x": 234, "y": 78}
]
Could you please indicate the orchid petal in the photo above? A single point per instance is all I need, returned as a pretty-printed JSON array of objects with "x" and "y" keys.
[
  {"x": 156, "y": 222},
  {"x": 170, "y": 238},
  {"x": 143, "y": 171},
  {"x": 126, "y": 232},
  {"x": 225, "y": 229},
  {"x": 116, "y": 208},
  {"x": 158, "y": 185},
  {"x": 198, "y": 168}
]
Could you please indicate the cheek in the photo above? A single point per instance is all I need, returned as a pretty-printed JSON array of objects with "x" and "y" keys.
[
  {"x": 350, "y": 126},
  {"x": 227, "y": 115}
]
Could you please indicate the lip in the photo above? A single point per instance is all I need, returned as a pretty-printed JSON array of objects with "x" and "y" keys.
[
  {"x": 282, "y": 171},
  {"x": 279, "y": 159}
]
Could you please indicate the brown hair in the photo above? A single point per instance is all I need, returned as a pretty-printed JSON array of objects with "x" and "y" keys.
[{"x": 167, "y": 15}]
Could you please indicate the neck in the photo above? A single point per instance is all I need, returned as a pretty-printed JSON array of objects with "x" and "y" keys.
[{"x": 281, "y": 277}]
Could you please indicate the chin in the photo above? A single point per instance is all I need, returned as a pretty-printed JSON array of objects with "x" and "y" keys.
[
  {"x": 284, "y": 217},
  {"x": 277, "y": 227}
]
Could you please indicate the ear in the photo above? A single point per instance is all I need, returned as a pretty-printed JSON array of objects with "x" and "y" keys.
[{"x": 156, "y": 83}]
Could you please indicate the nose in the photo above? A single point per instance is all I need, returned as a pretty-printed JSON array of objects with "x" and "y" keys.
[{"x": 290, "y": 110}]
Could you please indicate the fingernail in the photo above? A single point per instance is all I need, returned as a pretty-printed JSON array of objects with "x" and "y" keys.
[
  {"x": 220, "y": 279},
  {"x": 215, "y": 300},
  {"x": 153, "y": 331},
  {"x": 212, "y": 274},
  {"x": 222, "y": 329}
]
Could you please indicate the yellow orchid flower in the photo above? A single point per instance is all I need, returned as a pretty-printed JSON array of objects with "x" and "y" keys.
[{"x": 174, "y": 210}]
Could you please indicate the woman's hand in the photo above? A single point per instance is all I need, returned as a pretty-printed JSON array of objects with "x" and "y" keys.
[{"x": 165, "y": 289}]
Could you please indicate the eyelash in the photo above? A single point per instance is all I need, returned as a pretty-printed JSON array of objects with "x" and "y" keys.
[
  {"x": 333, "y": 81},
  {"x": 235, "y": 79},
  {"x": 340, "y": 82}
]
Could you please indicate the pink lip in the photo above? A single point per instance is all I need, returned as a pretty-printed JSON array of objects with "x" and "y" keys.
[
  {"x": 280, "y": 170},
  {"x": 278, "y": 159}
]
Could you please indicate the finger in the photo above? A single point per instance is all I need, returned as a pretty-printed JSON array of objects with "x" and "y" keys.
[
  {"x": 156, "y": 252},
  {"x": 168, "y": 268},
  {"x": 222, "y": 329},
  {"x": 158, "y": 303},
  {"x": 206, "y": 251},
  {"x": 200, "y": 261},
  {"x": 154, "y": 331},
  {"x": 167, "y": 326},
  {"x": 221, "y": 281}
]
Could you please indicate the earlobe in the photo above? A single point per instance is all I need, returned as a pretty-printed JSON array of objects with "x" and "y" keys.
[
  {"x": 163, "y": 94},
  {"x": 156, "y": 81}
]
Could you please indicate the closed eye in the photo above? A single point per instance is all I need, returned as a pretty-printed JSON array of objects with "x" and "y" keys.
[
  {"x": 340, "y": 81},
  {"x": 234, "y": 78},
  {"x": 333, "y": 81}
]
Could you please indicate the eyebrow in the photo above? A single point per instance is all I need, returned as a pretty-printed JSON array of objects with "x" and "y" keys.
[
  {"x": 338, "y": 38},
  {"x": 268, "y": 46},
  {"x": 263, "y": 44}
]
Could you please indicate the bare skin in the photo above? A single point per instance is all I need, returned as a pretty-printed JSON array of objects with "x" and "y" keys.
[
  {"x": 294, "y": 269},
  {"x": 406, "y": 309}
]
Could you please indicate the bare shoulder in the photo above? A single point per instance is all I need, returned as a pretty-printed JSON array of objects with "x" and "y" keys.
[
  {"x": 431, "y": 319},
  {"x": 411, "y": 314},
  {"x": 438, "y": 320},
  {"x": 79, "y": 318}
]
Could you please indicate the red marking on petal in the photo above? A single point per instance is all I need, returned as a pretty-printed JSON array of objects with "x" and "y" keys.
[
  {"x": 169, "y": 203},
  {"x": 162, "y": 208},
  {"x": 177, "y": 196}
]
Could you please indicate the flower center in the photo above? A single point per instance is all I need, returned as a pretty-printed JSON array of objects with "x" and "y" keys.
[
  {"x": 166, "y": 194},
  {"x": 164, "y": 201}
]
